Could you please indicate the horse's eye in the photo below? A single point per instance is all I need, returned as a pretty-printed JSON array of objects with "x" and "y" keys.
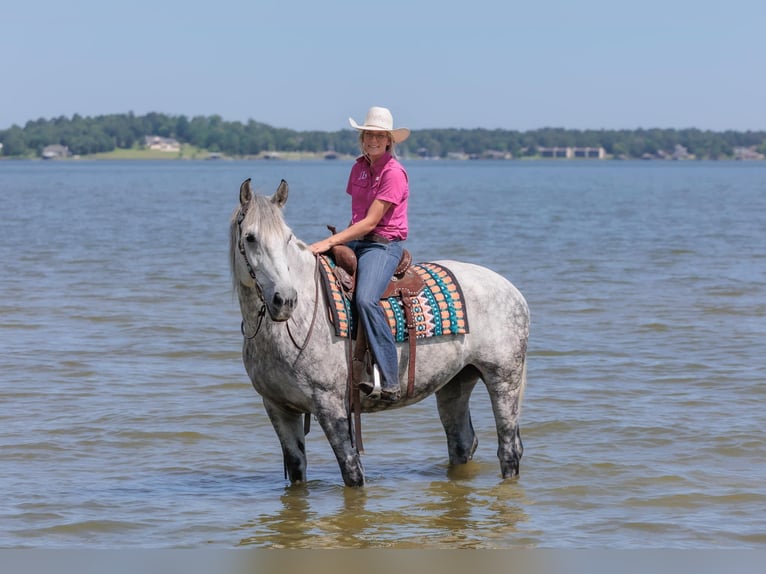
[{"x": 250, "y": 238}]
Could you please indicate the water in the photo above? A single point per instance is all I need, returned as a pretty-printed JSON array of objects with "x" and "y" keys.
[{"x": 127, "y": 420}]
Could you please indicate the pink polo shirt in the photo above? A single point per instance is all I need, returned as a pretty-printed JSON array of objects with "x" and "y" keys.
[{"x": 386, "y": 180}]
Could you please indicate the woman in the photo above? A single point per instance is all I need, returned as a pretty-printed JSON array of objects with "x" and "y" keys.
[{"x": 379, "y": 190}]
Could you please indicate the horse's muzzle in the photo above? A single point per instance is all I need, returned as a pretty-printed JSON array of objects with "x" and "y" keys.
[{"x": 282, "y": 305}]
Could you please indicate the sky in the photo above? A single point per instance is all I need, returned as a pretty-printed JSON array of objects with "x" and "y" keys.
[{"x": 310, "y": 65}]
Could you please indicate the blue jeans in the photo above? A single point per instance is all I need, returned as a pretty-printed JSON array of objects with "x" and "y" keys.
[{"x": 376, "y": 263}]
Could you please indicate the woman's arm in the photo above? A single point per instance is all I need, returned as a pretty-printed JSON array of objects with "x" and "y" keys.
[{"x": 377, "y": 210}]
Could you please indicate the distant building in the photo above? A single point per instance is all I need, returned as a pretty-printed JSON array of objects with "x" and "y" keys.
[
  {"x": 555, "y": 152},
  {"x": 680, "y": 152},
  {"x": 740, "y": 153},
  {"x": 494, "y": 154},
  {"x": 55, "y": 151},
  {"x": 572, "y": 152},
  {"x": 589, "y": 152},
  {"x": 158, "y": 143}
]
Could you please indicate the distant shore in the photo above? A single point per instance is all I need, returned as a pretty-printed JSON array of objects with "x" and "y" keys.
[
  {"x": 163, "y": 136},
  {"x": 190, "y": 153},
  {"x": 308, "y": 156}
]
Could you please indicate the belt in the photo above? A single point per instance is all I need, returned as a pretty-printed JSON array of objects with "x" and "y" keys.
[{"x": 376, "y": 238}]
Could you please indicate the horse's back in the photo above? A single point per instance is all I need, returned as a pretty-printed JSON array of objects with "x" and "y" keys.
[
  {"x": 482, "y": 283},
  {"x": 495, "y": 308}
]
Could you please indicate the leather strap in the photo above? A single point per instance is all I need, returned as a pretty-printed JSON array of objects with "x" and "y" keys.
[
  {"x": 356, "y": 367},
  {"x": 376, "y": 238},
  {"x": 412, "y": 336}
]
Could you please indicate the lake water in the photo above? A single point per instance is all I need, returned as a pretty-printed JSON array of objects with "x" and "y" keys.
[{"x": 127, "y": 419}]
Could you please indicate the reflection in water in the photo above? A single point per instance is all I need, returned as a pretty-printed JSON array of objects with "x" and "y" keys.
[
  {"x": 462, "y": 516},
  {"x": 456, "y": 512},
  {"x": 289, "y": 526}
]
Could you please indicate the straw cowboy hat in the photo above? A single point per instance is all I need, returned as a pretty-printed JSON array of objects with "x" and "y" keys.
[{"x": 381, "y": 120}]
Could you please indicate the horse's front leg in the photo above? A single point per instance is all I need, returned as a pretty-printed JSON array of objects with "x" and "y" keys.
[
  {"x": 289, "y": 428},
  {"x": 333, "y": 416}
]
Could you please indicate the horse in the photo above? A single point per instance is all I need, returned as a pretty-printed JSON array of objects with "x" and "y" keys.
[{"x": 299, "y": 366}]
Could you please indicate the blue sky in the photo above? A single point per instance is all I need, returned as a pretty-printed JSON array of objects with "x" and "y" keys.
[{"x": 309, "y": 65}]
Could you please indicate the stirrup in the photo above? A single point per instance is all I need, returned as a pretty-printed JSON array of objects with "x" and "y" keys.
[{"x": 374, "y": 387}]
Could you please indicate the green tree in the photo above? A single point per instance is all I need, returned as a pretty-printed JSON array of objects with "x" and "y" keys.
[{"x": 14, "y": 142}]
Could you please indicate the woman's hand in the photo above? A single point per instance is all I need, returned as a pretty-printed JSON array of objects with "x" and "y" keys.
[{"x": 322, "y": 246}]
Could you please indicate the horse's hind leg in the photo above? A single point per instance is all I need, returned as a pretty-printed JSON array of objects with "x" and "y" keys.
[
  {"x": 506, "y": 394},
  {"x": 452, "y": 401},
  {"x": 289, "y": 428}
]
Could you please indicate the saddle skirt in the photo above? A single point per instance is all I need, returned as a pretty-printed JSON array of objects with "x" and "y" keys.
[{"x": 437, "y": 309}]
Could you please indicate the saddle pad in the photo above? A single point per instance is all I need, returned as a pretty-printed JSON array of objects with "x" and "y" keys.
[{"x": 438, "y": 309}]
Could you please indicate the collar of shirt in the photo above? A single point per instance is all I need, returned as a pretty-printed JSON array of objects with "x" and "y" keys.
[{"x": 377, "y": 166}]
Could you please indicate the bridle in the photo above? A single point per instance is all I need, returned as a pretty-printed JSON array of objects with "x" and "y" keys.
[{"x": 259, "y": 291}]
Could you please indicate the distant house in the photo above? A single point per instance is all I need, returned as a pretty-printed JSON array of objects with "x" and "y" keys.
[
  {"x": 158, "y": 143},
  {"x": 740, "y": 153},
  {"x": 494, "y": 154},
  {"x": 572, "y": 152},
  {"x": 55, "y": 151},
  {"x": 680, "y": 152}
]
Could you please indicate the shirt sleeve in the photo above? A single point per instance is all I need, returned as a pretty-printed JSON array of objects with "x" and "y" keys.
[{"x": 393, "y": 186}]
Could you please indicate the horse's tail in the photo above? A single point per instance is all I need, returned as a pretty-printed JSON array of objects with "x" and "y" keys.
[{"x": 523, "y": 382}]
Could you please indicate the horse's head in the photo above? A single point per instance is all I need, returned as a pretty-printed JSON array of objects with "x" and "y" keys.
[{"x": 259, "y": 249}]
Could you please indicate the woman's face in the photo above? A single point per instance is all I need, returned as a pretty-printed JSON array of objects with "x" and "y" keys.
[{"x": 375, "y": 144}]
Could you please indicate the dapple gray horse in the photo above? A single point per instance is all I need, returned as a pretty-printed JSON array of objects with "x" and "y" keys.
[{"x": 298, "y": 365}]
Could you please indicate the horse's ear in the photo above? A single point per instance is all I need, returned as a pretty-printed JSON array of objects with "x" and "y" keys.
[
  {"x": 280, "y": 197},
  {"x": 245, "y": 193}
]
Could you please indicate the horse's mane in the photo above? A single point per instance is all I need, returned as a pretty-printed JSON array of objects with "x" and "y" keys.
[{"x": 233, "y": 240}]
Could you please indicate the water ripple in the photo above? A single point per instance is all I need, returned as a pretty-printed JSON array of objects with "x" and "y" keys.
[{"x": 127, "y": 419}]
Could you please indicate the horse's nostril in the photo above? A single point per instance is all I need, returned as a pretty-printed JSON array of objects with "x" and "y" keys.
[{"x": 280, "y": 301}]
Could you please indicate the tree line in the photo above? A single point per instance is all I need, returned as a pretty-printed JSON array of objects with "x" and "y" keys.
[{"x": 90, "y": 135}]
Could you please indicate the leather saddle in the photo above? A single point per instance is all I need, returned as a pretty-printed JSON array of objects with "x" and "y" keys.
[{"x": 404, "y": 282}]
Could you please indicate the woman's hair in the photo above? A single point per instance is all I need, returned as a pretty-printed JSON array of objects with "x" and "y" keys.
[{"x": 389, "y": 146}]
